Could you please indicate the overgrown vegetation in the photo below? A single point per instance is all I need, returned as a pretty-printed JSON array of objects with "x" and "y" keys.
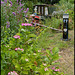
[{"x": 22, "y": 51}]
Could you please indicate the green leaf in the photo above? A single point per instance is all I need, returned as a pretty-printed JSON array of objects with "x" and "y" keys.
[
  {"x": 25, "y": 72},
  {"x": 30, "y": 41},
  {"x": 17, "y": 66},
  {"x": 2, "y": 72},
  {"x": 13, "y": 54},
  {"x": 46, "y": 59},
  {"x": 49, "y": 53},
  {"x": 46, "y": 73},
  {"x": 32, "y": 35},
  {"x": 55, "y": 57},
  {"x": 55, "y": 50},
  {"x": 19, "y": 34},
  {"x": 57, "y": 63}
]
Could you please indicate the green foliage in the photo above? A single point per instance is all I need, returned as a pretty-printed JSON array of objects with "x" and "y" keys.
[
  {"x": 29, "y": 4},
  {"x": 23, "y": 54},
  {"x": 26, "y": 62},
  {"x": 54, "y": 22}
]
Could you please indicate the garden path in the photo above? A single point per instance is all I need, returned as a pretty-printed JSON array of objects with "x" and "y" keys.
[{"x": 67, "y": 53}]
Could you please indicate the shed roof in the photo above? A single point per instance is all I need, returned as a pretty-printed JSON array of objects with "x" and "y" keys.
[{"x": 43, "y": 5}]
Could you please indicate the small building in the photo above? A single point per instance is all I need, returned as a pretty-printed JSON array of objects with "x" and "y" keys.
[{"x": 43, "y": 9}]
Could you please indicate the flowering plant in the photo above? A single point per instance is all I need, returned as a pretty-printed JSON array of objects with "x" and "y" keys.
[{"x": 19, "y": 51}]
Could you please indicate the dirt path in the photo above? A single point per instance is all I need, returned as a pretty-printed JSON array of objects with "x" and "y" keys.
[
  {"x": 50, "y": 39},
  {"x": 67, "y": 60},
  {"x": 67, "y": 53}
]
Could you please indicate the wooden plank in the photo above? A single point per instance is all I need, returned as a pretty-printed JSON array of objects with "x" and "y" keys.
[{"x": 49, "y": 27}]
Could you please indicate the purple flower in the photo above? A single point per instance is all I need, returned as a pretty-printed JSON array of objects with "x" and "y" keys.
[
  {"x": 13, "y": 13},
  {"x": 5, "y": 1},
  {"x": 21, "y": 5},
  {"x": 42, "y": 49},
  {"x": 32, "y": 19},
  {"x": 10, "y": 2},
  {"x": 26, "y": 16},
  {"x": 21, "y": 9},
  {"x": 8, "y": 23},
  {"x": 31, "y": 22},
  {"x": 7, "y": 26},
  {"x": 2, "y": 2},
  {"x": 17, "y": 1},
  {"x": 27, "y": 9}
]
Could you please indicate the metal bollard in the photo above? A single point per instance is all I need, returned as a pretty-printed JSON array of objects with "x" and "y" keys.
[{"x": 65, "y": 27}]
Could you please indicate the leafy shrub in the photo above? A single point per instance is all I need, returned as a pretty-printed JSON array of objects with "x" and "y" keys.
[
  {"x": 71, "y": 18},
  {"x": 54, "y": 22},
  {"x": 19, "y": 52}
]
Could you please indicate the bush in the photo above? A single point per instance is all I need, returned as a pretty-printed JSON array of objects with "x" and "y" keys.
[{"x": 19, "y": 52}]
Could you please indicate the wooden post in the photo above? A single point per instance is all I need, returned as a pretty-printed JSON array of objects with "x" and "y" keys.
[
  {"x": 44, "y": 10},
  {"x": 40, "y": 10}
]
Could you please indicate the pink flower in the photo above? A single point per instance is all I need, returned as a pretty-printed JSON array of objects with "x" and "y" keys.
[
  {"x": 12, "y": 73},
  {"x": 22, "y": 49},
  {"x": 53, "y": 68},
  {"x": 9, "y": 73},
  {"x": 16, "y": 36},
  {"x": 15, "y": 73},
  {"x": 16, "y": 49},
  {"x": 56, "y": 70},
  {"x": 26, "y": 24},
  {"x": 46, "y": 69}
]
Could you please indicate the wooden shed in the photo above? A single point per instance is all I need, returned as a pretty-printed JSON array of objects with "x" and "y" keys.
[{"x": 43, "y": 9}]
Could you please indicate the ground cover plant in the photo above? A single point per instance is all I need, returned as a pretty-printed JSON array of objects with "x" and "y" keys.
[{"x": 22, "y": 51}]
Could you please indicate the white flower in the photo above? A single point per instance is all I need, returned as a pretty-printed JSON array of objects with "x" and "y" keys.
[
  {"x": 34, "y": 54},
  {"x": 39, "y": 50},
  {"x": 18, "y": 48},
  {"x": 9, "y": 4},
  {"x": 26, "y": 60},
  {"x": 44, "y": 64}
]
